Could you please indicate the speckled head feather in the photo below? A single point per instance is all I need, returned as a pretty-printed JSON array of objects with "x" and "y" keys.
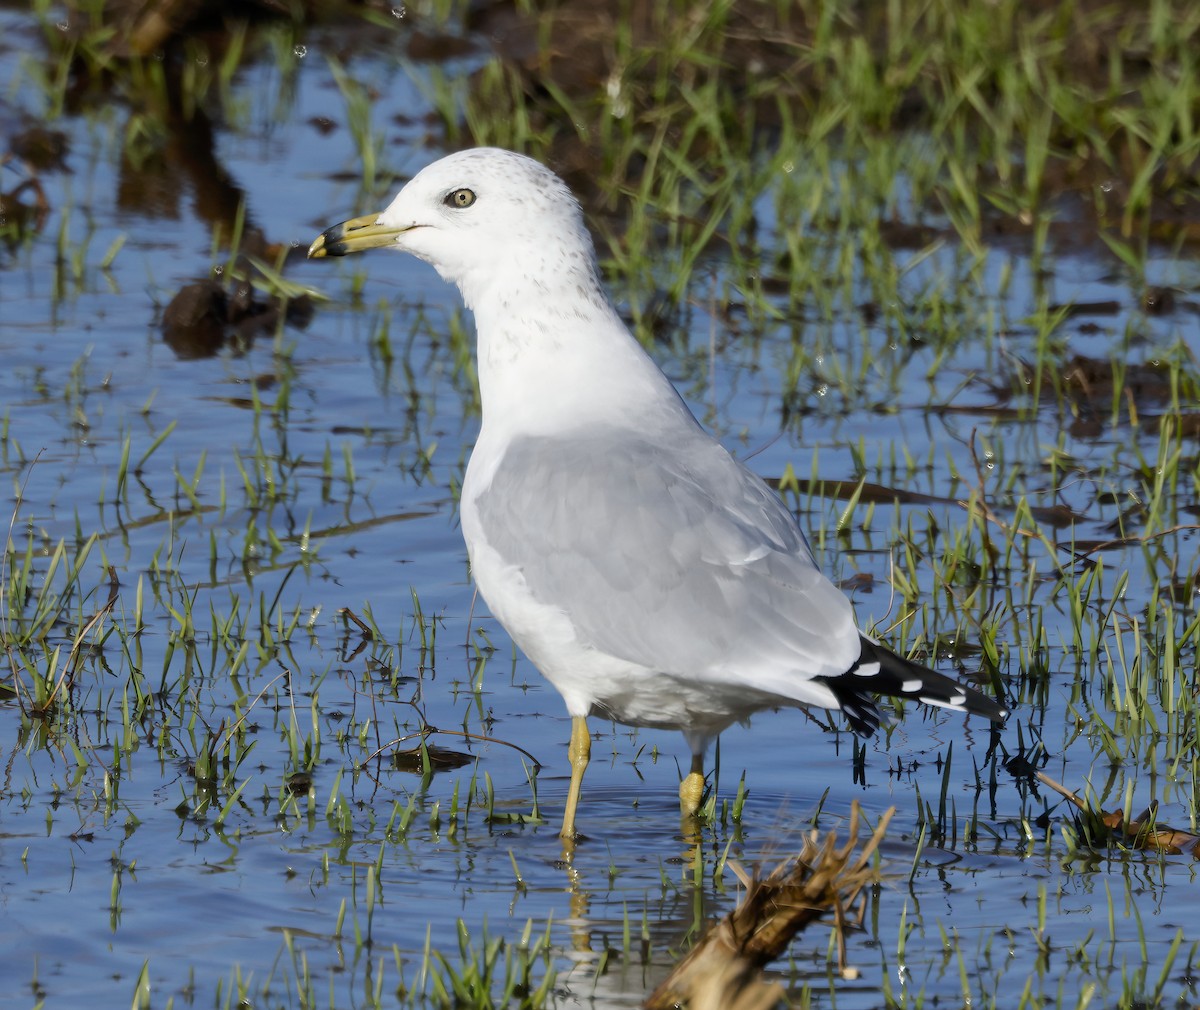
[{"x": 481, "y": 214}]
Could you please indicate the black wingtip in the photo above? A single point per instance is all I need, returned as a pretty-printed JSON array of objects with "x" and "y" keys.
[{"x": 879, "y": 671}]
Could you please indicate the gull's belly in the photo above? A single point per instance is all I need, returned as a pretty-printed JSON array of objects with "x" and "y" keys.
[{"x": 590, "y": 680}]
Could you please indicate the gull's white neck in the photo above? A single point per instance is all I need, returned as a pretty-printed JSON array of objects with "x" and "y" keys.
[{"x": 554, "y": 355}]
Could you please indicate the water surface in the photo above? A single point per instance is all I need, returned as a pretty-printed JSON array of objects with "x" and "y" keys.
[{"x": 310, "y": 466}]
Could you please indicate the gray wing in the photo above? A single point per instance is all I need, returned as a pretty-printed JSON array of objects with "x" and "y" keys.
[{"x": 680, "y": 560}]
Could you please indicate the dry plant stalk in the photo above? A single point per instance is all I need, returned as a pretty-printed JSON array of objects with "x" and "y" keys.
[
  {"x": 1141, "y": 832},
  {"x": 724, "y": 970}
]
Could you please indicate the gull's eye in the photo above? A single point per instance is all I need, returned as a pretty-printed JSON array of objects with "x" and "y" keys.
[{"x": 459, "y": 199}]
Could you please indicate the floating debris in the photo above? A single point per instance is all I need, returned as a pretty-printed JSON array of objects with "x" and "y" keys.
[
  {"x": 724, "y": 970},
  {"x": 1100, "y": 827}
]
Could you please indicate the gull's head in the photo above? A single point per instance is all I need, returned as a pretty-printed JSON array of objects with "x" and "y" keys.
[{"x": 474, "y": 215}]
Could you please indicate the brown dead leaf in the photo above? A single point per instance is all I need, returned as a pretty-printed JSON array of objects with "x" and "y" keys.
[{"x": 1141, "y": 832}]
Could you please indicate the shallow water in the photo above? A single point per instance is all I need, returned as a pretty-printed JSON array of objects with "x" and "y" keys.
[{"x": 314, "y": 468}]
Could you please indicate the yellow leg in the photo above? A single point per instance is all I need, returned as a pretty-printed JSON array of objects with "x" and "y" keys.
[
  {"x": 691, "y": 789},
  {"x": 580, "y": 753}
]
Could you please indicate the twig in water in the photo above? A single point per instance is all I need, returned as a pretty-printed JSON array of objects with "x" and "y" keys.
[{"x": 723, "y": 970}]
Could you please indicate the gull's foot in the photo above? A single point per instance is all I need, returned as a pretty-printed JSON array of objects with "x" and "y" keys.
[{"x": 691, "y": 794}]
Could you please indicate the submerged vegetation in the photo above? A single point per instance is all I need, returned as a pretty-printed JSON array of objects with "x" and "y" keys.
[{"x": 932, "y": 265}]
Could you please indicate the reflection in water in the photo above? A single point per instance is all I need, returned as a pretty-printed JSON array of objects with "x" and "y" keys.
[{"x": 616, "y": 962}]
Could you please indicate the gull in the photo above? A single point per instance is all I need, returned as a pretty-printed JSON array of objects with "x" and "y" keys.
[{"x": 650, "y": 576}]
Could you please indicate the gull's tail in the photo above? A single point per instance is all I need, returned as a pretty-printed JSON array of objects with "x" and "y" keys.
[{"x": 881, "y": 671}]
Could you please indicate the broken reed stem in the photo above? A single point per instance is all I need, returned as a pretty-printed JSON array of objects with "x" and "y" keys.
[
  {"x": 1110, "y": 827},
  {"x": 723, "y": 971}
]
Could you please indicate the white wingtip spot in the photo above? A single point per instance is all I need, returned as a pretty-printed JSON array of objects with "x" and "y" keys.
[{"x": 958, "y": 701}]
